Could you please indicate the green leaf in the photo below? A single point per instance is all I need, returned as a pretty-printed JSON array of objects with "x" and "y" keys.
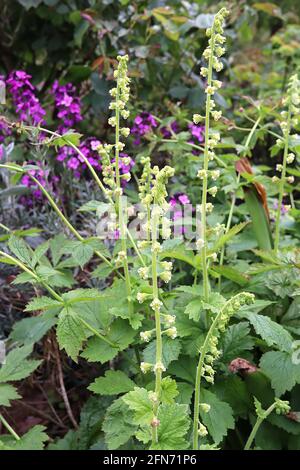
[
  {"x": 235, "y": 341},
  {"x": 91, "y": 419},
  {"x": 180, "y": 252},
  {"x": 173, "y": 427},
  {"x": 82, "y": 295},
  {"x": 233, "y": 390},
  {"x": 184, "y": 369},
  {"x": 260, "y": 223},
  {"x": 68, "y": 138},
  {"x": 228, "y": 236},
  {"x": 58, "y": 246},
  {"x": 270, "y": 331},
  {"x": 259, "y": 409},
  {"x": 7, "y": 393},
  {"x": 280, "y": 369},
  {"x": 31, "y": 330},
  {"x": 119, "y": 333},
  {"x": 194, "y": 308},
  {"x": 220, "y": 417},
  {"x": 214, "y": 304},
  {"x": 139, "y": 402},
  {"x": 117, "y": 425},
  {"x": 70, "y": 332},
  {"x": 42, "y": 303},
  {"x": 39, "y": 252},
  {"x": 82, "y": 253},
  {"x": 114, "y": 383},
  {"x": 55, "y": 277},
  {"x": 171, "y": 351},
  {"x": 231, "y": 273},
  {"x": 168, "y": 390},
  {"x": 20, "y": 249},
  {"x": 16, "y": 366},
  {"x": 102, "y": 271},
  {"x": 33, "y": 440}
]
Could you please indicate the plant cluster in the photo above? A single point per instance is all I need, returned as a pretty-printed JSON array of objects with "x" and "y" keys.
[{"x": 190, "y": 341}]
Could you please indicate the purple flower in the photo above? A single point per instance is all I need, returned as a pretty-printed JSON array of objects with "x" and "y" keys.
[
  {"x": 143, "y": 124},
  {"x": 179, "y": 198},
  {"x": 67, "y": 105},
  {"x": 197, "y": 136},
  {"x": 36, "y": 196},
  {"x": 283, "y": 209},
  {"x": 26, "y": 104}
]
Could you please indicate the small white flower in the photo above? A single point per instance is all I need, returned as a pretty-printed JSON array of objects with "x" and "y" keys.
[
  {"x": 145, "y": 367},
  {"x": 166, "y": 276},
  {"x": 156, "y": 304},
  {"x": 205, "y": 407},
  {"x": 141, "y": 297},
  {"x": 202, "y": 431},
  {"x": 146, "y": 336},
  {"x": 216, "y": 115},
  {"x": 279, "y": 167},
  {"x": 197, "y": 118},
  {"x": 202, "y": 174},
  {"x": 143, "y": 272},
  {"x": 290, "y": 158},
  {"x": 171, "y": 332},
  {"x": 170, "y": 319},
  {"x": 213, "y": 191},
  {"x": 215, "y": 174},
  {"x": 209, "y": 207},
  {"x": 159, "y": 367},
  {"x": 199, "y": 244}
]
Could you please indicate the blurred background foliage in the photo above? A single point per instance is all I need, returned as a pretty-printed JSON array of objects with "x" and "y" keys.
[{"x": 78, "y": 40}]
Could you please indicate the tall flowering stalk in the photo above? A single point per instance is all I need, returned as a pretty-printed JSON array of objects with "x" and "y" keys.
[
  {"x": 289, "y": 120},
  {"x": 209, "y": 353},
  {"x": 159, "y": 269},
  {"x": 212, "y": 54},
  {"x": 112, "y": 176}
]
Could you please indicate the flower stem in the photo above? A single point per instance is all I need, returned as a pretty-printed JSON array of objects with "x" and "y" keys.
[
  {"x": 9, "y": 428},
  {"x": 257, "y": 425},
  {"x": 158, "y": 360},
  {"x": 204, "y": 185},
  {"x": 119, "y": 204},
  {"x": 282, "y": 181}
]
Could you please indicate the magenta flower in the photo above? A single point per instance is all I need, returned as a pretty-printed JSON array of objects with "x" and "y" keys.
[
  {"x": 24, "y": 98},
  {"x": 144, "y": 123},
  {"x": 36, "y": 196}
]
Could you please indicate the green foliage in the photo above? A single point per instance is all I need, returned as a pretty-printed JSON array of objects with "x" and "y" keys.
[
  {"x": 114, "y": 383},
  {"x": 85, "y": 293},
  {"x": 220, "y": 417}
]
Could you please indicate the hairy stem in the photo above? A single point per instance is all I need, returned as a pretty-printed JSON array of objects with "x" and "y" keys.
[
  {"x": 257, "y": 425},
  {"x": 204, "y": 185},
  {"x": 158, "y": 357}
]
